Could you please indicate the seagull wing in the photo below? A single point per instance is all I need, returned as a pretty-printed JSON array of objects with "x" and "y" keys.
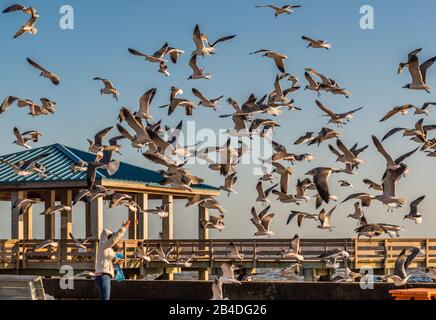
[
  {"x": 415, "y": 70},
  {"x": 137, "y": 53},
  {"x": 14, "y": 7},
  {"x": 145, "y": 101},
  {"x": 280, "y": 63},
  {"x": 194, "y": 66},
  {"x": 321, "y": 184},
  {"x": 424, "y": 67},
  {"x": 36, "y": 65},
  {"x": 382, "y": 150},
  {"x": 222, "y": 40},
  {"x": 405, "y": 156},
  {"x": 329, "y": 112},
  {"x": 266, "y": 221},
  {"x": 200, "y": 96},
  {"x": 414, "y": 205},
  {"x": 390, "y": 114},
  {"x": 101, "y": 134}
]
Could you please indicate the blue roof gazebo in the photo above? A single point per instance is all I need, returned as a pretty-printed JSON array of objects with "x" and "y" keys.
[{"x": 62, "y": 184}]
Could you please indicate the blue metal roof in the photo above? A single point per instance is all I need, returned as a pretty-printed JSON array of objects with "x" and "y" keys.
[{"x": 59, "y": 162}]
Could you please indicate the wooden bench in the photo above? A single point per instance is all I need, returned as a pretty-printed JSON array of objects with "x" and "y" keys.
[
  {"x": 13, "y": 287},
  {"x": 414, "y": 294}
]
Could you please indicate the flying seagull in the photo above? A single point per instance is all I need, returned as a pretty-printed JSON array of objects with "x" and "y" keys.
[
  {"x": 197, "y": 72},
  {"x": 418, "y": 73},
  {"x": 403, "y": 110},
  {"x": 337, "y": 118},
  {"x": 403, "y": 65},
  {"x": 262, "y": 196},
  {"x": 22, "y": 139},
  {"x": 262, "y": 222},
  {"x": 217, "y": 290},
  {"x": 320, "y": 179},
  {"x": 294, "y": 251},
  {"x": 30, "y": 24},
  {"x": 424, "y": 108},
  {"x": 202, "y": 44},
  {"x": 325, "y": 219},
  {"x": 108, "y": 88},
  {"x": 214, "y": 222},
  {"x": 400, "y": 277},
  {"x": 278, "y": 58},
  {"x": 23, "y": 205},
  {"x": 288, "y": 9},
  {"x": 53, "y": 77},
  {"x": 205, "y": 102},
  {"x": 234, "y": 252},
  {"x": 413, "y": 213},
  {"x": 301, "y": 216},
  {"x": 56, "y": 209},
  {"x": 161, "y": 211},
  {"x": 318, "y": 44},
  {"x": 228, "y": 274}
]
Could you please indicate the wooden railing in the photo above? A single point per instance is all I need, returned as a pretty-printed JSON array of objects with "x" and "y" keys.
[{"x": 378, "y": 253}]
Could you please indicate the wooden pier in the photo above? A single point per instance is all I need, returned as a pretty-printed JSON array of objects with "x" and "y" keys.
[{"x": 19, "y": 256}]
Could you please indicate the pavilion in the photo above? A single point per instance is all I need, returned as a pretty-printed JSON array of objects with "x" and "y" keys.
[{"x": 62, "y": 184}]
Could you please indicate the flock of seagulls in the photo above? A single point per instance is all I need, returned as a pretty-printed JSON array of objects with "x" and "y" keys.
[{"x": 161, "y": 144}]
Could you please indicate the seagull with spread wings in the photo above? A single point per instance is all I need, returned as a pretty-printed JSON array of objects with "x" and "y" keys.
[
  {"x": 29, "y": 27},
  {"x": 202, "y": 44},
  {"x": 320, "y": 179},
  {"x": 279, "y": 58},
  {"x": 23, "y": 138},
  {"x": 262, "y": 222},
  {"x": 418, "y": 72},
  {"x": 413, "y": 214},
  {"x": 337, "y": 118},
  {"x": 108, "y": 88},
  {"x": 262, "y": 196},
  {"x": 317, "y": 44},
  {"x": 286, "y": 9},
  {"x": 53, "y": 77},
  {"x": 205, "y": 102}
]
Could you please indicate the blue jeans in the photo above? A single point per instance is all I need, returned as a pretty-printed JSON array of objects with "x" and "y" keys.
[{"x": 103, "y": 283}]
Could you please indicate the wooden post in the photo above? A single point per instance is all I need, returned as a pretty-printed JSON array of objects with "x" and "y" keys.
[
  {"x": 17, "y": 221},
  {"x": 203, "y": 214},
  {"x": 168, "y": 223},
  {"x": 50, "y": 220},
  {"x": 28, "y": 224},
  {"x": 67, "y": 216},
  {"x": 133, "y": 217},
  {"x": 203, "y": 234},
  {"x": 88, "y": 231},
  {"x": 96, "y": 217},
  {"x": 142, "y": 227}
]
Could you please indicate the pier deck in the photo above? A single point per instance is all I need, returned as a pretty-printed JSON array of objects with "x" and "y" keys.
[{"x": 19, "y": 256}]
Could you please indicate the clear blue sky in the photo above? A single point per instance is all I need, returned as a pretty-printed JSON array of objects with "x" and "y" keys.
[{"x": 362, "y": 61}]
